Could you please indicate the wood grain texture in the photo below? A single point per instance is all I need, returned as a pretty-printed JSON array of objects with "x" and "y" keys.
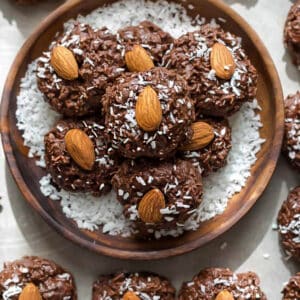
[{"x": 27, "y": 174}]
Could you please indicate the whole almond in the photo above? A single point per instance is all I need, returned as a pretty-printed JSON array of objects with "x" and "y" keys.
[
  {"x": 148, "y": 112},
  {"x": 224, "y": 295},
  {"x": 203, "y": 134},
  {"x": 64, "y": 63},
  {"x": 138, "y": 60},
  {"x": 80, "y": 148},
  {"x": 150, "y": 206},
  {"x": 130, "y": 296},
  {"x": 222, "y": 61},
  {"x": 30, "y": 292}
]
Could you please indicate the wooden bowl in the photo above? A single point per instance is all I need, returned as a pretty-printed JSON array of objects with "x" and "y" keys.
[{"x": 27, "y": 174}]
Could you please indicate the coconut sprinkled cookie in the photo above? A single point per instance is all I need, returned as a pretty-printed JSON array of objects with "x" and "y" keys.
[
  {"x": 133, "y": 286},
  {"x": 74, "y": 74},
  {"x": 148, "y": 113},
  {"x": 158, "y": 196},
  {"x": 149, "y": 36},
  {"x": 33, "y": 277},
  {"x": 291, "y": 142},
  {"x": 291, "y": 290},
  {"x": 219, "y": 74},
  {"x": 219, "y": 284},
  {"x": 292, "y": 33},
  {"x": 78, "y": 157},
  {"x": 289, "y": 223},
  {"x": 212, "y": 155}
]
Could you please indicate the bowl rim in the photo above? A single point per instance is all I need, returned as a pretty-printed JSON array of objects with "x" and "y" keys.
[{"x": 274, "y": 152}]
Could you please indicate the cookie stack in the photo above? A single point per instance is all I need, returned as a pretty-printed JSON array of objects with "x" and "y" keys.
[{"x": 143, "y": 113}]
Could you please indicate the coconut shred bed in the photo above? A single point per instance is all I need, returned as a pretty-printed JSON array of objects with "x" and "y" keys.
[{"x": 35, "y": 118}]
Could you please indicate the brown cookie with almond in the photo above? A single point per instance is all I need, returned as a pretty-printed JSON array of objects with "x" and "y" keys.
[
  {"x": 78, "y": 67},
  {"x": 212, "y": 145},
  {"x": 158, "y": 197},
  {"x": 291, "y": 290},
  {"x": 149, "y": 36},
  {"x": 35, "y": 278},
  {"x": 133, "y": 286},
  {"x": 219, "y": 74},
  {"x": 289, "y": 223},
  {"x": 292, "y": 33},
  {"x": 222, "y": 284},
  {"x": 147, "y": 114},
  {"x": 291, "y": 141},
  {"x": 78, "y": 157}
]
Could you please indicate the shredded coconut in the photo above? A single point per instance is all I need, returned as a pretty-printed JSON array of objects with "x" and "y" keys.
[{"x": 293, "y": 227}]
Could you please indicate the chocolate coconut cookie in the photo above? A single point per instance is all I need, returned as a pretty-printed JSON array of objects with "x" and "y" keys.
[
  {"x": 74, "y": 74},
  {"x": 219, "y": 74},
  {"x": 148, "y": 35},
  {"x": 217, "y": 283},
  {"x": 158, "y": 196},
  {"x": 289, "y": 223},
  {"x": 36, "y": 278},
  {"x": 78, "y": 157},
  {"x": 291, "y": 142},
  {"x": 135, "y": 286},
  {"x": 292, "y": 32},
  {"x": 148, "y": 113},
  {"x": 213, "y": 156},
  {"x": 292, "y": 289}
]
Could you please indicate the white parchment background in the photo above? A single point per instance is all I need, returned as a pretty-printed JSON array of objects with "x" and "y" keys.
[{"x": 251, "y": 244}]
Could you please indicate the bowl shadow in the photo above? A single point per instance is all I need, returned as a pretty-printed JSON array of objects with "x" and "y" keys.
[
  {"x": 291, "y": 70},
  {"x": 247, "y": 3},
  {"x": 20, "y": 14}
]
